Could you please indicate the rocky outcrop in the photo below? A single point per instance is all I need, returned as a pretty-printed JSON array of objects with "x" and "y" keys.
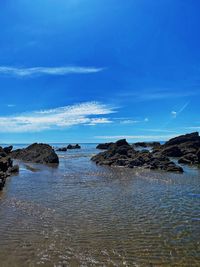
[
  {"x": 6, "y": 165},
  {"x": 191, "y": 138},
  {"x": 37, "y": 153},
  {"x": 77, "y": 146},
  {"x": 124, "y": 155},
  {"x": 65, "y": 148},
  {"x": 104, "y": 146},
  {"x": 184, "y": 147}
]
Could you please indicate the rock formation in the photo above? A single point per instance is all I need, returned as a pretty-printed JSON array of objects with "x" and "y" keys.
[
  {"x": 36, "y": 153},
  {"x": 6, "y": 165},
  {"x": 124, "y": 155}
]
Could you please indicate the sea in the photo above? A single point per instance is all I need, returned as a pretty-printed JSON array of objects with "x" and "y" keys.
[{"x": 80, "y": 214}]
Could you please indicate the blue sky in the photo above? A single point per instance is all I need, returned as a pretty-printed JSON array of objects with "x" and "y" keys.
[{"x": 98, "y": 70}]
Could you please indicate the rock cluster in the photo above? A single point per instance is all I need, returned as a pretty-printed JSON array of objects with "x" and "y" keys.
[
  {"x": 6, "y": 165},
  {"x": 36, "y": 153},
  {"x": 64, "y": 149},
  {"x": 185, "y": 147},
  {"x": 77, "y": 146},
  {"x": 123, "y": 154}
]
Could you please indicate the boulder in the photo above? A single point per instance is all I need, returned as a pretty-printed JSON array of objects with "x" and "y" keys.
[{"x": 36, "y": 153}]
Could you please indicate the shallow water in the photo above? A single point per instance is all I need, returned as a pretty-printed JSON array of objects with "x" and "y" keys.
[{"x": 80, "y": 214}]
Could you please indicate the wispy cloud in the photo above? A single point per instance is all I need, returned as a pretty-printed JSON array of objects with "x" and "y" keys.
[
  {"x": 175, "y": 114},
  {"x": 89, "y": 113},
  {"x": 137, "y": 137},
  {"x": 24, "y": 72},
  {"x": 10, "y": 105},
  {"x": 157, "y": 94}
]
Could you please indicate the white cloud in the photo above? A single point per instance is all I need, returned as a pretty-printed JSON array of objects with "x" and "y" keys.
[
  {"x": 10, "y": 105},
  {"x": 128, "y": 121},
  {"x": 95, "y": 121},
  {"x": 174, "y": 114},
  {"x": 58, "y": 118},
  {"x": 23, "y": 72}
]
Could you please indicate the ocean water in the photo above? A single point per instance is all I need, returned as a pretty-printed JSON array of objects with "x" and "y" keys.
[{"x": 80, "y": 214}]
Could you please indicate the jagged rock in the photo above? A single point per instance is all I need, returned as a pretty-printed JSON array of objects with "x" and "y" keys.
[
  {"x": 189, "y": 159},
  {"x": 147, "y": 144},
  {"x": 8, "y": 149},
  {"x": 2, "y": 152},
  {"x": 124, "y": 155},
  {"x": 6, "y": 164},
  {"x": 172, "y": 151},
  {"x": 104, "y": 146},
  {"x": 192, "y": 137},
  {"x": 74, "y": 146},
  {"x": 36, "y": 153}
]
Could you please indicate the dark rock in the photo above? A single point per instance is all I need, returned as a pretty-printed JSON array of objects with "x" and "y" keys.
[
  {"x": 2, "y": 152},
  {"x": 189, "y": 159},
  {"x": 5, "y": 164},
  {"x": 62, "y": 149},
  {"x": 122, "y": 142},
  {"x": 74, "y": 146},
  {"x": 198, "y": 155},
  {"x": 147, "y": 144},
  {"x": 2, "y": 180},
  {"x": 104, "y": 146},
  {"x": 8, "y": 149},
  {"x": 192, "y": 137},
  {"x": 14, "y": 169},
  {"x": 36, "y": 153},
  {"x": 122, "y": 154},
  {"x": 173, "y": 168},
  {"x": 172, "y": 151}
]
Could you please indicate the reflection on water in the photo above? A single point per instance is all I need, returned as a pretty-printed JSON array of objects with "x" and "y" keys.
[{"x": 80, "y": 214}]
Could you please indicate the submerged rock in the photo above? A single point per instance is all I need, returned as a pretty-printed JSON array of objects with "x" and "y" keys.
[
  {"x": 36, "y": 153},
  {"x": 123, "y": 154}
]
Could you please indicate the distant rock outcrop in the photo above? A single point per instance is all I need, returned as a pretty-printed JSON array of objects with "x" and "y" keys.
[
  {"x": 36, "y": 153},
  {"x": 124, "y": 155},
  {"x": 61, "y": 149},
  {"x": 77, "y": 146}
]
